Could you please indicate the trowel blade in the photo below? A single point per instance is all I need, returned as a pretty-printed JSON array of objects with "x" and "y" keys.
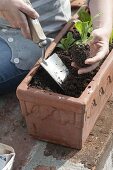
[{"x": 56, "y": 68}]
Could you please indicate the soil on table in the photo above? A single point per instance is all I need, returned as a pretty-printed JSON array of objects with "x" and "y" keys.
[{"x": 74, "y": 84}]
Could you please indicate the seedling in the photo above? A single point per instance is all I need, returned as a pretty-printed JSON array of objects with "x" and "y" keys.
[
  {"x": 66, "y": 42},
  {"x": 84, "y": 29},
  {"x": 84, "y": 26},
  {"x": 78, "y": 47}
]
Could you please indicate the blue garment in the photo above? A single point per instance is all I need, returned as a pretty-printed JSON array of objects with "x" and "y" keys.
[
  {"x": 10, "y": 75},
  {"x": 17, "y": 54}
]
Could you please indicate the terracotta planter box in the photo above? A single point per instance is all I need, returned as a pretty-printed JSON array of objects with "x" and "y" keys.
[{"x": 63, "y": 119}]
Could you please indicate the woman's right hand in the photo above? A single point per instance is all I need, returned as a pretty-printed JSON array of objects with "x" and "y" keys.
[{"x": 14, "y": 12}]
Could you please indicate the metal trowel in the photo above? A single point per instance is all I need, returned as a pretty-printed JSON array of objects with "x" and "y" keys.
[{"x": 53, "y": 64}]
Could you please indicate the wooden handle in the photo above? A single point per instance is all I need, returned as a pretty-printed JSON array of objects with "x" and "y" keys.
[{"x": 35, "y": 28}]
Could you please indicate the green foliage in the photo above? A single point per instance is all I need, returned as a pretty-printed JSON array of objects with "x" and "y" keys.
[
  {"x": 84, "y": 15},
  {"x": 66, "y": 42},
  {"x": 83, "y": 28},
  {"x": 111, "y": 38}
]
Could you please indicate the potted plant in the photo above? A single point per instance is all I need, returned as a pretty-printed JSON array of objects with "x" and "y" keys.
[{"x": 68, "y": 118}]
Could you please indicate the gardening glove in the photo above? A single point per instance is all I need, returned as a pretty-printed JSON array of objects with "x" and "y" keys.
[
  {"x": 102, "y": 26},
  {"x": 14, "y": 12}
]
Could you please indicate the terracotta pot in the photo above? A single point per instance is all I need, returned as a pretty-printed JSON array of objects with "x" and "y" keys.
[{"x": 63, "y": 119}]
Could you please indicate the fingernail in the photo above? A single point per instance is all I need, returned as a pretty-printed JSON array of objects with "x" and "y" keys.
[
  {"x": 79, "y": 72},
  {"x": 36, "y": 15},
  {"x": 87, "y": 62}
]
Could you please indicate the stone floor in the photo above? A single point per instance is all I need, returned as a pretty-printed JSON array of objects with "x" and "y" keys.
[
  {"x": 13, "y": 129},
  {"x": 36, "y": 155}
]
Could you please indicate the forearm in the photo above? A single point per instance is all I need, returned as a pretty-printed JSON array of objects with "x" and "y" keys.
[{"x": 103, "y": 9}]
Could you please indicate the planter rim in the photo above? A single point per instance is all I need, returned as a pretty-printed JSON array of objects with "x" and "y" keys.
[{"x": 93, "y": 84}]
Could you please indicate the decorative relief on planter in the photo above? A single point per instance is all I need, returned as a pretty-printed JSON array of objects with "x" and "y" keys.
[
  {"x": 104, "y": 91},
  {"x": 62, "y": 117}
]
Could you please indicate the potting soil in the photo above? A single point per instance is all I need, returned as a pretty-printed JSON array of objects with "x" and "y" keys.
[{"x": 73, "y": 86}]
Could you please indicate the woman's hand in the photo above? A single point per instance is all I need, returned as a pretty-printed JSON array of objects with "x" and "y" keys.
[
  {"x": 99, "y": 48},
  {"x": 14, "y": 12}
]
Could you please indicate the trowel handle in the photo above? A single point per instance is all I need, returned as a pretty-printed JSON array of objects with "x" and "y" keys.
[{"x": 35, "y": 28}]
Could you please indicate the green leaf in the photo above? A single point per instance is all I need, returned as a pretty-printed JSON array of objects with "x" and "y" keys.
[
  {"x": 61, "y": 46},
  {"x": 69, "y": 35},
  {"x": 70, "y": 38},
  {"x": 90, "y": 29},
  {"x": 78, "y": 25},
  {"x": 66, "y": 42},
  {"x": 78, "y": 42},
  {"x": 82, "y": 28},
  {"x": 84, "y": 15}
]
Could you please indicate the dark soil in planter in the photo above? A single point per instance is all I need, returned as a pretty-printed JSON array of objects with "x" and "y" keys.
[
  {"x": 75, "y": 84},
  {"x": 79, "y": 54},
  {"x": 42, "y": 80}
]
